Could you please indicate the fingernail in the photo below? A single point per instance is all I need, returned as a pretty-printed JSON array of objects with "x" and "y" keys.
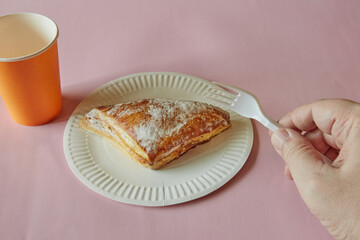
[{"x": 278, "y": 138}]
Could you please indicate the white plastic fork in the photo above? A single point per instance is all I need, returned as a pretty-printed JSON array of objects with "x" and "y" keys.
[{"x": 241, "y": 102}]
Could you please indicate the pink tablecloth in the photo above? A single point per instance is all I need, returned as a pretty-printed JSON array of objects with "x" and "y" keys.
[{"x": 286, "y": 52}]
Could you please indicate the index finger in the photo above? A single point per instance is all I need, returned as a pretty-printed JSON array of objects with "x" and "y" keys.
[
  {"x": 331, "y": 116},
  {"x": 300, "y": 119}
]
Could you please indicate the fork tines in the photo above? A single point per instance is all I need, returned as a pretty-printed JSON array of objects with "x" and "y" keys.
[
  {"x": 221, "y": 97},
  {"x": 228, "y": 88}
]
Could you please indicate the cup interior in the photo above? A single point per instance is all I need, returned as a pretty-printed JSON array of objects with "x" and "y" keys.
[{"x": 24, "y": 35}]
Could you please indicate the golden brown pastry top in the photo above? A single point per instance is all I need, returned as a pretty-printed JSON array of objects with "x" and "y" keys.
[{"x": 158, "y": 125}]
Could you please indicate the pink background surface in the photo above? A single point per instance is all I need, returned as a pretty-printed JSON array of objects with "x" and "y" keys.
[{"x": 286, "y": 52}]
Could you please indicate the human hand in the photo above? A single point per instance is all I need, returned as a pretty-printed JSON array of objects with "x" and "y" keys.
[{"x": 316, "y": 133}]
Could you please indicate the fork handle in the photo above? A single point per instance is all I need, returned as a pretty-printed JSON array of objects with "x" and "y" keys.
[{"x": 269, "y": 122}]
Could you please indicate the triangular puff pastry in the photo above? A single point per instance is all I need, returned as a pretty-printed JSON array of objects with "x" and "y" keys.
[{"x": 154, "y": 132}]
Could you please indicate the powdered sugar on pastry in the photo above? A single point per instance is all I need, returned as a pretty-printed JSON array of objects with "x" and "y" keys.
[
  {"x": 156, "y": 131},
  {"x": 162, "y": 118},
  {"x": 166, "y": 118},
  {"x": 97, "y": 124}
]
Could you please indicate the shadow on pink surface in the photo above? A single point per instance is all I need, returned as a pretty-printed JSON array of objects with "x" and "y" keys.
[
  {"x": 73, "y": 95},
  {"x": 70, "y": 102}
]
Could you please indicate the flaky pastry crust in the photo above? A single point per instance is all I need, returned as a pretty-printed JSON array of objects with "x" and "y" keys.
[{"x": 154, "y": 132}]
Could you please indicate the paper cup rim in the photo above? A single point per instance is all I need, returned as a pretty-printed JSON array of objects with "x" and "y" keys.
[{"x": 40, "y": 51}]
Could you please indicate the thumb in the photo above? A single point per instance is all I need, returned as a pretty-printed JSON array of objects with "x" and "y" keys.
[{"x": 299, "y": 154}]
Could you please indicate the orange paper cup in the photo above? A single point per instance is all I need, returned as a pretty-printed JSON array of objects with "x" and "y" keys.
[{"x": 29, "y": 68}]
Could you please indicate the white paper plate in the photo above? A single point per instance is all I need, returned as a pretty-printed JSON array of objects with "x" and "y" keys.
[{"x": 107, "y": 171}]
